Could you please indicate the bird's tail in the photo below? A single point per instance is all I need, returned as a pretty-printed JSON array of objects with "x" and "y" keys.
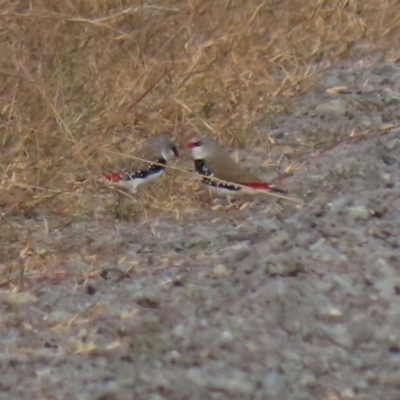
[{"x": 263, "y": 186}]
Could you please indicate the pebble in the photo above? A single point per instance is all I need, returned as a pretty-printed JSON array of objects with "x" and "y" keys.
[
  {"x": 237, "y": 252},
  {"x": 274, "y": 383},
  {"x": 308, "y": 379},
  {"x": 336, "y": 107},
  {"x": 220, "y": 271},
  {"x": 331, "y": 314},
  {"x": 78, "y": 266},
  {"x": 391, "y": 97},
  {"x": 235, "y": 383},
  {"x": 339, "y": 334},
  {"x": 20, "y": 298},
  {"x": 279, "y": 238}
]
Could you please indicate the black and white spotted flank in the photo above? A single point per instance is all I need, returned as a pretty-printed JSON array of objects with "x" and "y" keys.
[{"x": 202, "y": 169}]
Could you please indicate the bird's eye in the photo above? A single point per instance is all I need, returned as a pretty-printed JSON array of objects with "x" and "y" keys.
[{"x": 197, "y": 144}]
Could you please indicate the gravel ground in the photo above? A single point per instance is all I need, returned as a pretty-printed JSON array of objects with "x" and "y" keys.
[{"x": 275, "y": 301}]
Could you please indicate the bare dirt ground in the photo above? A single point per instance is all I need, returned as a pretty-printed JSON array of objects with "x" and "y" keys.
[
  {"x": 274, "y": 301},
  {"x": 183, "y": 297}
]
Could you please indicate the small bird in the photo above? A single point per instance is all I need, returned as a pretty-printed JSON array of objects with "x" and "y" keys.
[
  {"x": 211, "y": 161},
  {"x": 157, "y": 151}
]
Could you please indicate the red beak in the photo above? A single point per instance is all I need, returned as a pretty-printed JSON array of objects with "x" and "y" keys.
[
  {"x": 190, "y": 145},
  {"x": 175, "y": 150}
]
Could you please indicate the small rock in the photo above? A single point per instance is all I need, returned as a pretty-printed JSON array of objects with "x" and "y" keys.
[
  {"x": 385, "y": 287},
  {"x": 113, "y": 274},
  {"x": 179, "y": 330},
  {"x": 262, "y": 249},
  {"x": 156, "y": 396},
  {"x": 365, "y": 122},
  {"x": 339, "y": 334},
  {"x": 391, "y": 143},
  {"x": 220, "y": 270},
  {"x": 291, "y": 356},
  {"x": 347, "y": 394},
  {"x": 274, "y": 383},
  {"x": 332, "y": 395},
  {"x": 173, "y": 356},
  {"x": 303, "y": 238},
  {"x": 356, "y": 361},
  {"x": 198, "y": 242},
  {"x": 134, "y": 248},
  {"x": 348, "y": 166},
  {"x": 237, "y": 252},
  {"x": 308, "y": 379},
  {"x": 331, "y": 314},
  {"x": 289, "y": 268},
  {"x": 301, "y": 395},
  {"x": 326, "y": 252},
  {"x": 362, "y": 385},
  {"x": 395, "y": 79},
  {"x": 166, "y": 229},
  {"x": 336, "y": 107},
  {"x": 279, "y": 238},
  {"x": 332, "y": 81},
  {"x": 148, "y": 300},
  {"x": 346, "y": 283},
  {"x": 377, "y": 121},
  {"x": 9, "y": 379},
  {"x": 193, "y": 292},
  {"x": 226, "y": 337},
  {"x": 324, "y": 286},
  {"x": 108, "y": 395},
  {"x": 78, "y": 266},
  {"x": 91, "y": 290},
  {"x": 359, "y": 213},
  {"x": 376, "y": 79},
  {"x": 385, "y": 69},
  {"x": 277, "y": 133},
  {"x": 391, "y": 97},
  {"x": 318, "y": 244},
  {"x": 236, "y": 383},
  {"x": 57, "y": 317},
  {"x": 21, "y": 298}
]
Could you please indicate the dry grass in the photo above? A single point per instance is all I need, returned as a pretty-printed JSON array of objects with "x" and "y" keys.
[{"x": 81, "y": 81}]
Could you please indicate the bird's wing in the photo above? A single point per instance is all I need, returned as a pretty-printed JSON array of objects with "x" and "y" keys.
[
  {"x": 223, "y": 167},
  {"x": 148, "y": 153},
  {"x": 131, "y": 164}
]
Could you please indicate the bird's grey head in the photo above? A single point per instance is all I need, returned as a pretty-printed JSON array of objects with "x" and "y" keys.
[
  {"x": 163, "y": 145},
  {"x": 204, "y": 148}
]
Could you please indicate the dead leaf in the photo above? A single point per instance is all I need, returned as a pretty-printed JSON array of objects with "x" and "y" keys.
[
  {"x": 338, "y": 90},
  {"x": 21, "y": 298}
]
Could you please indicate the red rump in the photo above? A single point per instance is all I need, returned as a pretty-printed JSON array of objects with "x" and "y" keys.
[
  {"x": 260, "y": 186},
  {"x": 112, "y": 176}
]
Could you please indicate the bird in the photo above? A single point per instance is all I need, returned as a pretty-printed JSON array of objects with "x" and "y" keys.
[
  {"x": 153, "y": 155},
  {"x": 212, "y": 161}
]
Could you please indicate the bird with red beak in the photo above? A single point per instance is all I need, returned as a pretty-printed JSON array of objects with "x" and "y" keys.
[
  {"x": 212, "y": 161},
  {"x": 146, "y": 165}
]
